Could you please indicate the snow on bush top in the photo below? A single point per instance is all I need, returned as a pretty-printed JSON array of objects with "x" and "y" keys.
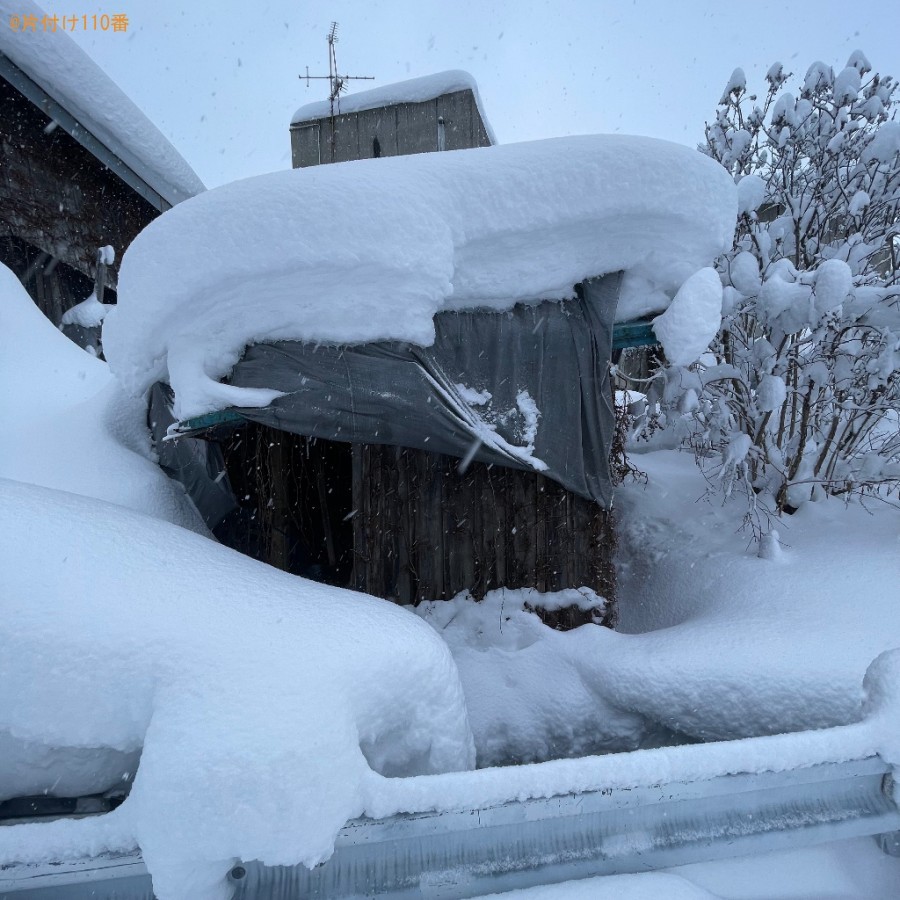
[
  {"x": 56, "y": 63},
  {"x": 413, "y": 90},
  {"x": 371, "y": 250}
]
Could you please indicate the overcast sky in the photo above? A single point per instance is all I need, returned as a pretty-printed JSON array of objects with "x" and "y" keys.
[{"x": 221, "y": 79}]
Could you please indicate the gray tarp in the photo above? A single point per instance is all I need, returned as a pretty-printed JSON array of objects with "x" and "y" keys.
[
  {"x": 197, "y": 464},
  {"x": 555, "y": 354}
]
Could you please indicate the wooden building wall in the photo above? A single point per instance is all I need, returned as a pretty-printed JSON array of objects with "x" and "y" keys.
[
  {"x": 54, "y": 286},
  {"x": 408, "y": 526},
  {"x": 401, "y": 129},
  {"x": 424, "y": 531},
  {"x": 57, "y": 199}
]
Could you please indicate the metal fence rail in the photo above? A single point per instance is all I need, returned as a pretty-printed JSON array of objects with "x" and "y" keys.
[{"x": 522, "y": 844}]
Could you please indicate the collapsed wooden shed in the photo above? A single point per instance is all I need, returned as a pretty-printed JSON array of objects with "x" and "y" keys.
[
  {"x": 335, "y": 479},
  {"x": 398, "y": 520}
]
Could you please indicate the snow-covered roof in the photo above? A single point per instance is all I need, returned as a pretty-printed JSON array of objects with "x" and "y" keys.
[
  {"x": 60, "y": 68},
  {"x": 371, "y": 250},
  {"x": 414, "y": 90}
]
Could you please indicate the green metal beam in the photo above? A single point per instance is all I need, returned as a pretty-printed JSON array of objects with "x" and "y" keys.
[
  {"x": 634, "y": 334},
  {"x": 226, "y": 417}
]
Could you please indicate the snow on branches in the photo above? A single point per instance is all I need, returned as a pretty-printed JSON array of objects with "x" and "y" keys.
[{"x": 803, "y": 393}]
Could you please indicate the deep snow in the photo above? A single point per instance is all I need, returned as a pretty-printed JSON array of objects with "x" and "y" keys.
[
  {"x": 67, "y": 424},
  {"x": 259, "y": 700},
  {"x": 371, "y": 250},
  {"x": 269, "y": 709}
]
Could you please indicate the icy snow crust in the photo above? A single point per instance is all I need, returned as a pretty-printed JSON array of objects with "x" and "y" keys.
[
  {"x": 413, "y": 90},
  {"x": 371, "y": 250},
  {"x": 55, "y": 62}
]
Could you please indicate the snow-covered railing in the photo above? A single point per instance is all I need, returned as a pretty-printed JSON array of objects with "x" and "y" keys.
[
  {"x": 467, "y": 834},
  {"x": 542, "y": 841},
  {"x": 522, "y": 844}
]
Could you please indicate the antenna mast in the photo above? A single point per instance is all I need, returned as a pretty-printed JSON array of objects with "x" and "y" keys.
[{"x": 336, "y": 81}]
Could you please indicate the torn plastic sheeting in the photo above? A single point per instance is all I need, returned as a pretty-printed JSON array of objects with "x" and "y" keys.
[
  {"x": 197, "y": 464},
  {"x": 545, "y": 367}
]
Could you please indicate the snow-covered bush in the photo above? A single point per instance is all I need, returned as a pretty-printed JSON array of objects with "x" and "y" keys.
[{"x": 801, "y": 392}]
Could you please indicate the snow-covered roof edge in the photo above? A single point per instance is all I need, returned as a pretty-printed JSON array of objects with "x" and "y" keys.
[
  {"x": 60, "y": 68},
  {"x": 485, "y": 228},
  {"x": 413, "y": 90}
]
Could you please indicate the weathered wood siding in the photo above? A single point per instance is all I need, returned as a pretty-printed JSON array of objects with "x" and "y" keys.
[
  {"x": 58, "y": 198},
  {"x": 399, "y": 130},
  {"x": 295, "y": 495},
  {"x": 54, "y": 286},
  {"x": 423, "y": 531},
  {"x": 406, "y": 525}
]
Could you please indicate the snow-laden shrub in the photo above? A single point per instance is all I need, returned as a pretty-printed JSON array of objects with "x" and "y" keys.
[{"x": 801, "y": 391}]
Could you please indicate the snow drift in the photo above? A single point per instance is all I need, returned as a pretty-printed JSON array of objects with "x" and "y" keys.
[
  {"x": 67, "y": 424},
  {"x": 257, "y": 701},
  {"x": 371, "y": 250}
]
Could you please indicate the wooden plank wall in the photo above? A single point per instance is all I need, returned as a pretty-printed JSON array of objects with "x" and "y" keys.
[
  {"x": 54, "y": 286},
  {"x": 295, "y": 495},
  {"x": 56, "y": 196},
  {"x": 423, "y": 531}
]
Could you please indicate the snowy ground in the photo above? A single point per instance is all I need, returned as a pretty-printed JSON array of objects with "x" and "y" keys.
[
  {"x": 719, "y": 643},
  {"x": 197, "y": 654},
  {"x": 848, "y": 870}
]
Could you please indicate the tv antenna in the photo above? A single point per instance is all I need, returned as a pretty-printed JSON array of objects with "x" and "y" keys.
[{"x": 337, "y": 82}]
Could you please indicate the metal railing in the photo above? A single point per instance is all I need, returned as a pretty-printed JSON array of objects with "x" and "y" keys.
[{"x": 534, "y": 842}]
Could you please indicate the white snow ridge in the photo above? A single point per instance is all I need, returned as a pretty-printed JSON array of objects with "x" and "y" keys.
[{"x": 371, "y": 250}]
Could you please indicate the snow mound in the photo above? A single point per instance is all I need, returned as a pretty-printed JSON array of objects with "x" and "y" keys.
[
  {"x": 725, "y": 644},
  {"x": 512, "y": 668},
  {"x": 371, "y": 250},
  {"x": 56, "y": 63},
  {"x": 90, "y": 313},
  {"x": 412, "y": 90},
  {"x": 260, "y": 703},
  {"x": 67, "y": 424}
]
